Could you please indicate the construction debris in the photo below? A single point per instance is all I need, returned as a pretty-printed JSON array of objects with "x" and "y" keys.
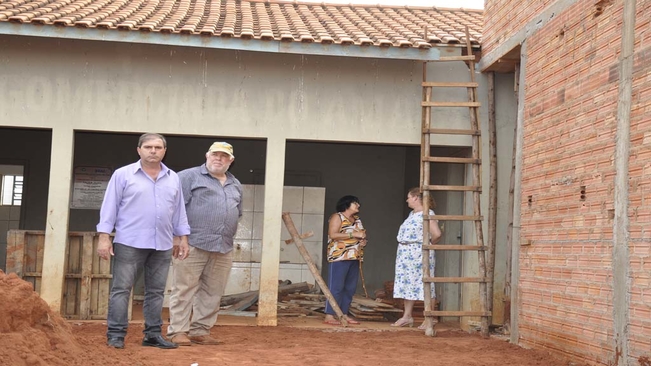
[{"x": 301, "y": 300}]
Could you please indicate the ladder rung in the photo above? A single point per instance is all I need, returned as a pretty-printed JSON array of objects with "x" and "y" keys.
[
  {"x": 454, "y": 247},
  {"x": 455, "y": 279},
  {"x": 455, "y": 313},
  {"x": 451, "y": 104},
  {"x": 450, "y": 85},
  {"x": 454, "y": 188},
  {"x": 453, "y": 218},
  {"x": 448, "y": 131},
  {"x": 457, "y": 58},
  {"x": 439, "y": 159}
]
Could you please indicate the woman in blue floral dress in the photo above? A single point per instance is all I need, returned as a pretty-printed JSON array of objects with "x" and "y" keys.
[{"x": 408, "y": 282}]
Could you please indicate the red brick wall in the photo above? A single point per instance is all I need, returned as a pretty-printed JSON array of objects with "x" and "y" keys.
[
  {"x": 504, "y": 18},
  {"x": 571, "y": 93}
]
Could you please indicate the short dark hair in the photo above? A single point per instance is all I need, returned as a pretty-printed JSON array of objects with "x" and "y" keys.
[
  {"x": 151, "y": 136},
  {"x": 345, "y": 202}
]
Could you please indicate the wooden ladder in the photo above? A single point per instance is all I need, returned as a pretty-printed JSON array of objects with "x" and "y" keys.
[{"x": 475, "y": 188}]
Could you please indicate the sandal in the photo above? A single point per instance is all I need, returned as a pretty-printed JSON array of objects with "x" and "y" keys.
[
  {"x": 332, "y": 322},
  {"x": 423, "y": 326},
  {"x": 352, "y": 321},
  {"x": 402, "y": 322}
]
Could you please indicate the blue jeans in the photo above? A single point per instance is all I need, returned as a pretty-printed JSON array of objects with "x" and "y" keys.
[
  {"x": 126, "y": 262},
  {"x": 342, "y": 281}
]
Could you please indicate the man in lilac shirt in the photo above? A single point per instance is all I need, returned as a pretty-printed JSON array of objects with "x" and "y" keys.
[{"x": 144, "y": 204}]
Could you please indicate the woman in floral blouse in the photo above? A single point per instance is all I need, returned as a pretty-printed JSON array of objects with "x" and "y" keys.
[
  {"x": 346, "y": 241},
  {"x": 408, "y": 282}
]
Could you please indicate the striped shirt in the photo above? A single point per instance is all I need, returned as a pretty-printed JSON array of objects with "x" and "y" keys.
[{"x": 213, "y": 209}]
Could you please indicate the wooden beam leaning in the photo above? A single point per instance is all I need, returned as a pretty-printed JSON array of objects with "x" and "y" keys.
[{"x": 289, "y": 224}]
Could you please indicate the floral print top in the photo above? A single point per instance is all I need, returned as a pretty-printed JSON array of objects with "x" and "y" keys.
[{"x": 411, "y": 230}]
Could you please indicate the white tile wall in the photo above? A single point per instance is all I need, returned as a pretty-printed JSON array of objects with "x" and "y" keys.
[{"x": 306, "y": 205}]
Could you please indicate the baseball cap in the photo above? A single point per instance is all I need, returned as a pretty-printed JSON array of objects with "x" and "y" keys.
[{"x": 223, "y": 147}]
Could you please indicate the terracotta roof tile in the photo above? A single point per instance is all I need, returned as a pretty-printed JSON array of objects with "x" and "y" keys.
[{"x": 383, "y": 26}]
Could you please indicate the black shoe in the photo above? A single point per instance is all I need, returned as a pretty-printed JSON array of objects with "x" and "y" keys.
[
  {"x": 158, "y": 341},
  {"x": 115, "y": 342}
]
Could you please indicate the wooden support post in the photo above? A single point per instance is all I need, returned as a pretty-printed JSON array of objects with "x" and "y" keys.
[
  {"x": 86, "y": 275},
  {"x": 289, "y": 224},
  {"x": 492, "y": 191}
]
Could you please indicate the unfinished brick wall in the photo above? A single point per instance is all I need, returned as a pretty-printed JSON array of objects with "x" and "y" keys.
[
  {"x": 568, "y": 184},
  {"x": 504, "y": 18}
]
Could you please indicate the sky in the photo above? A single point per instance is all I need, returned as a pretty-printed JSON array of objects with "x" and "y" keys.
[{"x": 468, "y": 4}]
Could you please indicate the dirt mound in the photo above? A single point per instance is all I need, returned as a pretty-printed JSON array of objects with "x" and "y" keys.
[{"x": 32, "y": 334}]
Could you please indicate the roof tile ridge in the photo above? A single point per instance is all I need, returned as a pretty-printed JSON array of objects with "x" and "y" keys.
[
  {"x": 211, "y": 22},
  {"x": 121, "y": 14},
  {"x": 411, "y": 35},
  {"x": 298, "y": 26},
  {"x": 248, "y": 23},
  {"x": 42, "y": 14},
  {"x": 326, "y": 22},
  {"x": 230, "y": 19},
  {"x": 346, "y": 36},
  {"x": 314, "y": 24},
  {"x": 281, "y": 22},
  {"x": 165, "y": 8},
  {"x": 358, "y": 26},
  {"x": 176, "y": 17},
  {"x": 264, "y": 21},
  {"x": 139, "y": 17},
  {"x": 99, "y": 11},
  {"x": 192, "y": 19}
]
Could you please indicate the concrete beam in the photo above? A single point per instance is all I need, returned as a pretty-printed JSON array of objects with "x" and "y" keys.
[
  {"x": 182, "y": 40},
  {"x": 271, "y": 231},
  {"x": 56, "y": 230}
]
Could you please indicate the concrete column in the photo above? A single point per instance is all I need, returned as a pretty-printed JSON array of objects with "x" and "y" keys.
[
  {"x": 621, "y": 231},
  {"x": 271, "y": 231},
  {"x": 517, "y": 194},
  {"x": 56, "y": 228}
]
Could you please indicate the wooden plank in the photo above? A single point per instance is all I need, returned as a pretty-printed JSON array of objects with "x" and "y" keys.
[
  {"x": 245, "y": 303},
  {"x": 451, "y": 104},
  {"x": 29, "y": 262},
  {"x": 455, "y": 247},
  {"x": 103, "y": 284},
  {"x": 86, "y": 279},
  {"x": 91, "y": 276},
  {"x": 303, "y": 236},
  {"x": 71, "y": 288},
  {"x": 441, "y": 159},
  {"x": 434, "y": 84},
  {"x": 470, "y": 57},
  {"x": 370, "y": 303},
  {"x": 454, "y": 218},
  {"x": 451, "y": 131},
  {"x": 453, "y": 188},
  {"x": 455, "y": 313},
  {"x": 289, "y": 224},
  {"x": 456, "y": 280},
  {"x": 40, "y": 247},
  {"x": 94, "y": 283},
  {"x": 16, "y": 252}
]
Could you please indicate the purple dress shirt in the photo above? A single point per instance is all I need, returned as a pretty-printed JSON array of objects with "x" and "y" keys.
[{"x": 146, "y": 214}]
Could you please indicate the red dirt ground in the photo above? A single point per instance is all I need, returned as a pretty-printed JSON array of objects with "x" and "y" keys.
[{"x": 31, "y": 334}]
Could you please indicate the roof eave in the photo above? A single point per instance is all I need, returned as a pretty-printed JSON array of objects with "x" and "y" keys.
[{"x": 181, "y": 40}]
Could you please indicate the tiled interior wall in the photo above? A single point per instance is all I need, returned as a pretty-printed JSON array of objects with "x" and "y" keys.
[
  {"x": 306, "y": 207},
  {"x": 9, "y": 220}
]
